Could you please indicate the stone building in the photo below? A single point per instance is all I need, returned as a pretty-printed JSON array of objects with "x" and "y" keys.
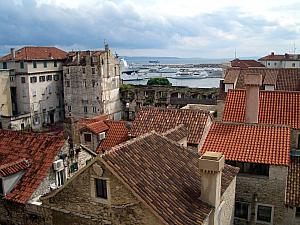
[
  {"x": 197, "y": 122},
  {"x": 281, "y": 61},
  {"x": 91, "y": 84},
  {"x": 35, "y": 87},
  {"x": 277, "y": 115},
  {"x": 272, "y": 79},
  {"x": 133, "y": 97},
  {"x": 149, "y": 185}
]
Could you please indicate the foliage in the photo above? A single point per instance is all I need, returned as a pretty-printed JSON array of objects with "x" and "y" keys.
[
  {"x": 125, "y": 87},
  {"x": 159, "y": 81}
]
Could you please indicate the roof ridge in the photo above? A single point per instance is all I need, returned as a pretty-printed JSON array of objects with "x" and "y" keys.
[
  {"x": 14, "y": 163},
  {"x": 129, "y": 142},
  {"x": 252, "y": 124},
  {"x": 173, "y": 129}
]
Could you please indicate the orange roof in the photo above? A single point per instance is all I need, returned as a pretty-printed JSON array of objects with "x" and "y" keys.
[
  {"x": 162, "y": 119},
  {"x": 96, "y": 127},
  {"x": 275, "y": 107},
  {"x": 242, "y": 63},
  {"x": 283, "y": 79},
  {"x": 13, "y": 167},
  {"x": 116, "y": 134},
  {"x": 39, "y": 150},
  {"x": 254, "y": 143},
  {"x": 37, "y": 53}
]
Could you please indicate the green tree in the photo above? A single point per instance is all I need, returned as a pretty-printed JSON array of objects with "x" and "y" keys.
[{"x": 159, "y": 81}]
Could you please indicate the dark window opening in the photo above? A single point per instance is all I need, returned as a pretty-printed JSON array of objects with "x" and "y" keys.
[
  {"x": 241, "y": 210},
  {"x": 101, "y": 188},
  {"x": 87, "y": 137},
  {"x": 251, "y": 168},
  {"x": 42, "y": 78},
  {"x": 49, "y": 77},
  {"x": 1, "y": 187},
  {"x": 4, "y": 65},
  {"x": 45, "y": 64},
  {"x": 23, "y": 80},
  {"x": 22, "y": 65},
  {"x": 297, "y": 211},
  {"x": 55, "y": 63},
  {"x": 34, "y": 64},
  {"x": 264, "y": 213},
  {"x": 33, "y": 79}
]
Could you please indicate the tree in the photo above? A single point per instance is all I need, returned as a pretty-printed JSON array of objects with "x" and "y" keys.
[{"x": 159, "y": 81}]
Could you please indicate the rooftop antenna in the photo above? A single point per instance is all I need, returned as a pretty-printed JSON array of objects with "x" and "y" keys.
[
  {"x": 294, "y": 48},
  {"x": 106, "y": 47},
  {"x": 235, "y": 53}
]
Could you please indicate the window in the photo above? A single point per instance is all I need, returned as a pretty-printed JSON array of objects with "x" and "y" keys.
[
  {"x": 85, "y": 109},
  {"x": 93, "y": 83},
  {"x": 55, "y": 63},
  {"x": 1, "y": 187},
  {"x": 84, "y": 83},
  {"x": 269, "y": 64},
  {"x": 45, "y": 64},
  {"x": 241, "y": 210},
  {"x": 93, "y": 70},
  {"x": 21, "y": 65},
  {"x": 12, "y": 78},
  {"x": 251, "y": 168},
  {"x": 101, "y": 188},
  {"x": 49, "y": 77},
  {"x": 67, "y": 83},
  {"x": 83, "y": 70},
  {"x": 69, "y": 108},
  {"x": 60, "y": 178},
  {"x": 264, "y": 213},
  {"x": 297, "y": 211},
  {"x": 23, "y": 81},
  {"x": 74, "y": 167},
  {"x": 293, "y": 64},
  {"x": 34, "y": 64},
  {"x": 33, "y": 79},
  {"x": 56, "y": 77},
  {"x": 4, "y": 65},
  {"x": 94, "y": 109},
  {"x": 36, "y": 120},
  {"x": 275, "y": 64},
  {"x": 42, "y": 78},
  {"x": 87, "y": 137}
]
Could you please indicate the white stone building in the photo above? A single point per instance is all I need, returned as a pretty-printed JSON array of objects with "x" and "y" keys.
[
  {"x": 281, "y": 61},
  {"x": 35, "y": 87},
  {"x": 91, "y": 84}
]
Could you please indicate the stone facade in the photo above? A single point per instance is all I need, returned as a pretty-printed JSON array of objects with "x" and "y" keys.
[
  {"x": 133, "y": 97},
  {"x": 78, "y": 199},
  {"x": 227, "y": 202},
  {"x": 91, "y": 84},
  {"x": 35, "y": 93},
  {"x": 265, "y": 190}
]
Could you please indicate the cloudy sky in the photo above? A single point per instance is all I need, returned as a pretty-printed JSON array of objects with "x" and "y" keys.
[{"x": 183, "y": 28}]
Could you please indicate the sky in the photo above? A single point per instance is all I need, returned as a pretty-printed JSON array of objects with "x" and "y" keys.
[{"x": 181, "y": 28}]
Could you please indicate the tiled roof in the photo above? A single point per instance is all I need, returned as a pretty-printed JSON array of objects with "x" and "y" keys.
[
  {"x": 176, "y": 134},
  {"x": 255, "y": 143},
  {"x": 96, "y": 127},
  {"x": 162, "y": 119},
  {"x": 38, "y": 149},
  {"x": 165, "y": 176},
  {"x": 275, "y": 107},
  {"x": 13, "y": 167},
  {"x": 245, "y": 63},
  {"x": 282, "y": 79},
  {"x": 37, "y": 53},
  {"x": 293, "y": 183},
  {"x": 285, "y": 57},
  {"x": 116, "y": 134}
]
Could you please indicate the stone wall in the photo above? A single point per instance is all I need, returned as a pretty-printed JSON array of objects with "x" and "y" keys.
[
  {"x": 264, "y": 190},
  {"x": 228, "y": 197},
  {"x": 77, "y": 198}
]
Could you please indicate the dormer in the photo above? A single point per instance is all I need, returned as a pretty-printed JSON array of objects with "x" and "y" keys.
[{"x": 10, "y": 174}]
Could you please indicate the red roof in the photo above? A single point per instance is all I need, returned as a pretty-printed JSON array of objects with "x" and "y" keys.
[
  {"x": 96, "y": 127},
  {"x": 282, "y": 79},
  {"x": 275, "y": 107},
  {"x": 37, "y": 53},
  {"x": 39, "y": 150},
  {"x": 162, "y": 119},
  {"x": 254, "y": 143},
  {"x": 285, "y": 57},
  {"x": 13, "y": 167},
  {"x": 116, "y": 134},
  {"x": 246, "y": 63}
]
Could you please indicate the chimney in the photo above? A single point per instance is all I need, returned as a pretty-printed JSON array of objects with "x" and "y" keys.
[
  {"x": 211, "y": 165},
  {"x": 78, "y": 57},
  {"x": 13, "y": 53},
  {"x": 71, "y": 131},
  {"x": 272, "y": 53},
  {"x": 252, "y": 83}
]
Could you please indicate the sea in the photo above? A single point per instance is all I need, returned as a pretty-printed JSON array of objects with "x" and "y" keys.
[{"x": 192, "y": 83}]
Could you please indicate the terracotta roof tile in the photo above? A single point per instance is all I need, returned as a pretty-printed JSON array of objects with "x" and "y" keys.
[
  {"x": 162, "y": 119},
  {"x": 283, "y": 79},
  {"x": 285, "y": 57},
  {"x": 117, "y": 133},
  {"x": 96, "y": 127},
  {"x": 255, "y": 143},
  {"x": 165, "y": 176},
  {"x": 13, "y": 167},
  {"x": 38, "y": 149},
  {"x": 37, "y": 53},
  {"x": 176, "y": 134},
  {"x": 275, "y": 107},
  {"x": 242, "y": 63},
  {"x": 293, "y": 183}
]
